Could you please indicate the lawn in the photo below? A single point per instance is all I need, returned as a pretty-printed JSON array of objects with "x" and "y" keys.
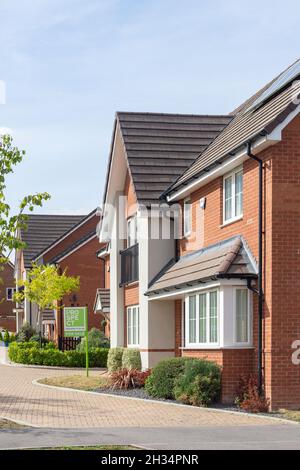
[
  {"x": 293, "y": 415},
  {"x": 79, "y": 382}
]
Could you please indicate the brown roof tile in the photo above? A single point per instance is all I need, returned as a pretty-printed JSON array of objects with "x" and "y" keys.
[{"x": 230, "y": 258}]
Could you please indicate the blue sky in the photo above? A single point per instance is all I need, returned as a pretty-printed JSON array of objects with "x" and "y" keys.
[{"x": 70, "y": 64}]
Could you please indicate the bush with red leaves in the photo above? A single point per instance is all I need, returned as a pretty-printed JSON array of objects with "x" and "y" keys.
[
  {"x": 129, "y": 378},
  {"x": 248, "y": 397}
]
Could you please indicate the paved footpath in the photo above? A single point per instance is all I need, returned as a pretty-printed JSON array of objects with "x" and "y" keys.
[{"x": 22, "y": 400}]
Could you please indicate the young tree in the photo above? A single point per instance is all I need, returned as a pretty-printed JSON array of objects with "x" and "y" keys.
[
  {"x": 45, "y": 287},
  {"x": 10, "y": 224}
]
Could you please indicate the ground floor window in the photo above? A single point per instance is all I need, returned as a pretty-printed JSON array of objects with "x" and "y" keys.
[
  {"x": 242, "y": 317},
  {"x": 133, "y": 326},
  {"x": 202, "y": 319}
]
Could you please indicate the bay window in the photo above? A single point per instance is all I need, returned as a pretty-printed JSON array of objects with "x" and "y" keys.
[
  {"x": 202, "y": 319},
  {"x": 233, "y": 195},
  {"x": 242, "y": 317},
  {"x": 133, "y": 326}
]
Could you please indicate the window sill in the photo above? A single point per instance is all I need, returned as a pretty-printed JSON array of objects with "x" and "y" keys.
[{"x": 231, "y": 221}]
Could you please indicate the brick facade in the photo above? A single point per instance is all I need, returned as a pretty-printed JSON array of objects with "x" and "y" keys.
[
  {"x": 82, "y": 262},
  {"x": 7, "y": 316}
]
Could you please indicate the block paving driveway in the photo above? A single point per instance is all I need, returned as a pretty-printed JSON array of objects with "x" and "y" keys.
[{"x": 35, "y": 405}]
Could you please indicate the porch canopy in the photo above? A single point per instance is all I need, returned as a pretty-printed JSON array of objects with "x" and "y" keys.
[
  {"x": 225, "y": 260},
  {"x": 102, "y": 301}
]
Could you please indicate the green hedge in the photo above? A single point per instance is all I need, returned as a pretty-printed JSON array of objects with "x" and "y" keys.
[
  {"x": 114, "y": 359},
  {"x": 30, "y": 353}
]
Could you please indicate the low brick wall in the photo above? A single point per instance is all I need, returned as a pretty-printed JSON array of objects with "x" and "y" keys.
[{"x": 234, "y": 362}]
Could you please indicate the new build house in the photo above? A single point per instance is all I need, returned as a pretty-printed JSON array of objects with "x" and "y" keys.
[
  {"x": 201, "y": 214},
  {"x": 7, "y": 304},
  {"x": 70, "y": 243}
]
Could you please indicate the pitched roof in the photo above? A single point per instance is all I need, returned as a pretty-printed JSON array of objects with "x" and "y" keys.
[
  {"x": 247, "y": 125},
  {"x": 228, "y": 259},
  {"x": 160, "y": 147},
  {"x": 74, "y": 246},
  {"x": 102, "y": 295},
  {"x": 43, "y": 230}
]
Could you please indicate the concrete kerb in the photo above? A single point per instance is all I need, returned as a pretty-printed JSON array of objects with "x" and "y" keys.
[{"x": 182, "y": 405}]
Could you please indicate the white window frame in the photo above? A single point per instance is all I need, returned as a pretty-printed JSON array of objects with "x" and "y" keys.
[
  {"x": 131, "y": 220},
  {"x": 197, "y": 344},
  {"x": 249, "y": 317},
  {"x": 130, "y": 310},
  {"x": 13, "y": 289},
  {"x": 188, "y": 232},
  {"x": 233, "y": 196}
]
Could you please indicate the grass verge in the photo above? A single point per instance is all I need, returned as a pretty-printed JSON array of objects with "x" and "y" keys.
[
  {"x": 79, "y": 382},
  {"x": 293, "y": 415},
  {"x": 7, "y": 424}
]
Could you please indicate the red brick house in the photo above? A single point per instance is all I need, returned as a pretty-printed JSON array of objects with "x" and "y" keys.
[
  {"x": 219, "y": 277},
  {"x": 7, "y": 305},
  {"x": 70, "y": 242}
]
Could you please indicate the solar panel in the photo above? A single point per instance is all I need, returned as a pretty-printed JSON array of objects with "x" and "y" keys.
[{"x": 286, "y": 77}]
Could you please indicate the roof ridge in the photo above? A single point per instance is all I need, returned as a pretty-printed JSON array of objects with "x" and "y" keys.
[{"x": 149, "y": 113}]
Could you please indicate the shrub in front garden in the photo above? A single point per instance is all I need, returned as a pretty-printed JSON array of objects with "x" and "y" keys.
[
  {"x": 25, "y": 333},
  {"x": 96, "y": 339},
  {"x": 248, "y": 397},
  {"x": 128, "y": 378},
  {"x": 160, "y": 383},
  {"x": 131, "y": 359},
  {"x": 114, "y": 359},
  {"x": 31, "y": 353},
  {"x": 199, "y": 384}
]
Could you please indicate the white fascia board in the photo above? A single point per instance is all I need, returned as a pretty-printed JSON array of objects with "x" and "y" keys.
[
  {"x": 228, "y": 165},
  {"x": 76, "y": 248},
  {"x": 257, "y": 146},
  {"x": 66, "y": 235},
  {"x": 197, "y": 288}
]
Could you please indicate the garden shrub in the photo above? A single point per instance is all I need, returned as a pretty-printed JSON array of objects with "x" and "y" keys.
[
  {"x": 25, "y": 333},
  {"x": 31, "y": 353},
  {"x": 199, "y": 384},
  {"x": 96, "y": 339},
  {"x": 6, "y": 337},
  {"x": 128, "y": 378},
  {"x": 114, "y": 359},
  {"x": 131, "y": 359},
  {"x": 160, "y": 383},
  {"x": 39, "y": 339},
  {"x": 248, "y": 397}
]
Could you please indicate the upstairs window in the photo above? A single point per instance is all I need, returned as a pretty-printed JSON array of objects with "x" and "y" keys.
[
  {"x": 187, "y": 217},
  {"x": 10, "y": 293},
  {"x": 131, "y": 231},
  {"x": 233, "y": 195}
]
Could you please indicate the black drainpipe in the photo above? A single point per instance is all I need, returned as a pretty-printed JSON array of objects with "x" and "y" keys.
[{"x": 259, "y": 291}]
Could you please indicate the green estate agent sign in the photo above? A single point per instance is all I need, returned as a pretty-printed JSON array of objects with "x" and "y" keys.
[
  {"x": 76, "y": 325},
  {"x": 75, "y": 321}
]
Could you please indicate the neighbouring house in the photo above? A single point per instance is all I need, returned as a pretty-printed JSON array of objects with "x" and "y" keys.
[
  {"x": 70, "y": 242},
  {"x": 226, "y": 288},
  {"x": 7, "y": 304}
]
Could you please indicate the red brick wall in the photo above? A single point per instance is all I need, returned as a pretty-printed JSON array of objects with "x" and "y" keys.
[
  {"x": 281, "y": 325},
  {"x": 84, "y": 263},
  {"x": 7, "y": 317},
  {"x": 284, "y": 376}
]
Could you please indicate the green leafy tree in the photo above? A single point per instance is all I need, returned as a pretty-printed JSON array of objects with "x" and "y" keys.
[
  {"x": 45, "y": 287},
  {"x": 11, "y": 224}
]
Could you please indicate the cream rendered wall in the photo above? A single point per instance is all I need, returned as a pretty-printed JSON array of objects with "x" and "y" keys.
[{"x": 157, "y": 318}]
